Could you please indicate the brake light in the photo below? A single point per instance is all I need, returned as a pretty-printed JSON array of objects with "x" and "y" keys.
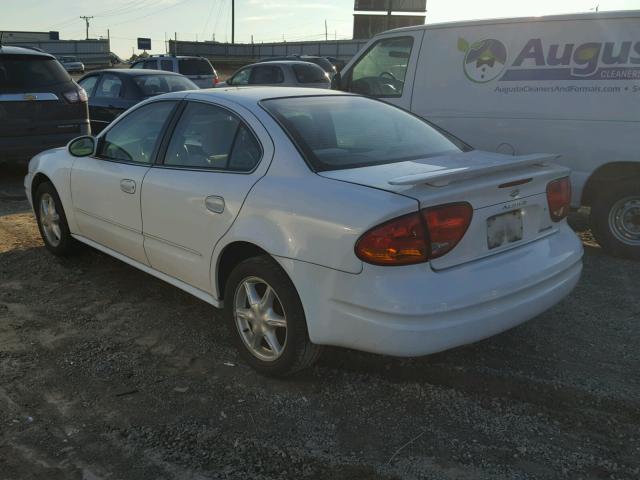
[
  {"x": 416, "y": 237},
  {"x": 447, "y": 225},
  {"x": 76, "y": 96},
  {"x": 559, "y": 198},
  {"x": 215, "y": 81},
  {"x": 398, "y": 242}
]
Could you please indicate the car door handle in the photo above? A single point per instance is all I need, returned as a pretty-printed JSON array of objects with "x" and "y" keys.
[
  {"x": 127, "y": 185},
  {"x": 214, "y": 203}
]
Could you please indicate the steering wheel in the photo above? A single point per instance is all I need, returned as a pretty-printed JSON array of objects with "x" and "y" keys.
[{"x": 388, "y": 74}]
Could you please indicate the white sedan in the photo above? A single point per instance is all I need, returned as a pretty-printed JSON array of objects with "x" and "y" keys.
[{"x": 316, "y": 219}]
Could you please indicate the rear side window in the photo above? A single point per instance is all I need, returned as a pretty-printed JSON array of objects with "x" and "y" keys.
[
  {"x": 310, "y": 74},
  {"x": 89, "y": 84},
  {"x": 150, "y": 65},
  {"x": 194, "y": 66},
  {"x": 166, "y": 65},
  {"x": 30, "y": 71},
  {"x": 210, "y": 137},
  {"x": 266, "y": 75},
  {"x": 110, "y": 87}
]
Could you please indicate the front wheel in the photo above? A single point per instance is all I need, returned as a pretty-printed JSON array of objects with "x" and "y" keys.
[
  {"x": 52, "y": 221},
  {"x": 266, "y": 318},
  {"x": 615, "y": 220}
]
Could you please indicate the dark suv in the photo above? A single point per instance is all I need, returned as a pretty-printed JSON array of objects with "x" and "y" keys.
[{"x": 41, "y": 107}]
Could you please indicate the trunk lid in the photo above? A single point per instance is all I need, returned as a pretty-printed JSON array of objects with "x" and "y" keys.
[{"x": 507, "y": 194}]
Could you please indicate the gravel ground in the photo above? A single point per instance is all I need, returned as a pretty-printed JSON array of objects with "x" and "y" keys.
[{"x": 108, "y": 373}]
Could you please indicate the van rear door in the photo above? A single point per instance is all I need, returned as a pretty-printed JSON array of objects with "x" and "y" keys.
[{"x": 386, "y": 69}]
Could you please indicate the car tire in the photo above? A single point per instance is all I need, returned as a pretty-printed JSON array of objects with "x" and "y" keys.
[
  {"x": 52, "y": 221},
  {"x": 615, "y": 220},
  {"x": 270, "y": 330}
]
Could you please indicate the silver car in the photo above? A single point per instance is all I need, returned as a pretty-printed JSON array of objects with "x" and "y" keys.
[
  {"x": 197, "y": 69},
  {"x": 286, "y": 73},
  {"x": 71, "y": 64}
]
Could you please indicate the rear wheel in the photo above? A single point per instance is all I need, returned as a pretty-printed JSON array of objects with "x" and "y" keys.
[
  {"x": 266, "y": 318},
  {"x": 615, "y": 220},
  {"x": 52, "y": 221}
]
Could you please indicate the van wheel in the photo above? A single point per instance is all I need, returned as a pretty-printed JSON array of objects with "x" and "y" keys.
[
  {"x": 266, "y": 318},
  {"x": 52, "y": 221},
  {"x": 615, "y": 220}
]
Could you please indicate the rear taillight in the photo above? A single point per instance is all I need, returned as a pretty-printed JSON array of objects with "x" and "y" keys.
[
  {"x": 76, "y": 96},
  {"x": 215, "y": 81},
  {"x": 447, "y": 225},
  {"x": 416, "y": 237},
  {"x": 559, "y": 198}
]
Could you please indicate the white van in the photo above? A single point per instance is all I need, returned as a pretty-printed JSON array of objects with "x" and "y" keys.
[{"x": 566, "y": 84}]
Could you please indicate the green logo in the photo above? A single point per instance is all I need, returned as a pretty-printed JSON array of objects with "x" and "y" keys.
[{"x": 484, "y": 60}]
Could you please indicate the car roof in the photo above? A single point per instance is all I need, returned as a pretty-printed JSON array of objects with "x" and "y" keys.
[
  {"x": 11, "y": 50},
  {"x": 249, "y": 97},
  {"x": 284, "y": 62},
  {"x": 131, "y": 72}
]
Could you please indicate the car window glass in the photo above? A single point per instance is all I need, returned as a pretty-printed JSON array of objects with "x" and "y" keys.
[
  {"x": 194, "y": 66},
  {"x": 89, "y": 84},
  {"x": 150, "y": 65},
  {"x": 382, "y": 70},
  {"x": 110, "y": 87},
  {"x": 137, "y": 65},
  {"x": 310, "y": 73},
  {"x": 166, "y": 65},
  {"x": 134, "y": 137},
  {"x": 246, "y": 151},
  {"x": 204, "y": 138},
  {"x": 157, "y": 84},
  {"x": 242, "y": 77},
  {"x": 266, "y": 75},
  {"x": 30, "y": 71}
]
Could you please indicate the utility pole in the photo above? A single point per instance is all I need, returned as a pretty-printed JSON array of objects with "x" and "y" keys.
[
  {"x": 389, "y": 11},
  {"x": 326, "y": 35},
  {"x": 86, "y": 20},
  {"x": 175, "y": 44},
  {"x": 233, "y": 21}
]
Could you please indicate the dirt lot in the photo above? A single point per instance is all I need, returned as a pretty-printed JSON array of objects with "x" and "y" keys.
[{"x": 108, "y": 373}]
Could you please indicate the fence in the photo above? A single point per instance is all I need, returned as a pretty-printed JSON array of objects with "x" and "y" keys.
[
  {"x": 89, "y": 52},
  {"x": 341, "y": 49}
]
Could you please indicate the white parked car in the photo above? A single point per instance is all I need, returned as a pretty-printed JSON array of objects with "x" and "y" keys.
[
  {"x": 71, "y": 64},
  {"x": 569, "y": 84},
  {"x": 316, "y": 219},
  {"x": 283, "y": 73}
]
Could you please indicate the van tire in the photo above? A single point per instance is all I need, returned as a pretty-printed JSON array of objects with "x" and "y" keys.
[{"x": 608, "y": 228}]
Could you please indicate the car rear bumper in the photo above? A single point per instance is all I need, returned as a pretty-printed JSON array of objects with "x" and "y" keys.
[
  {"x": 413, "y": 310},
  {"x": 23, "y": 148}
]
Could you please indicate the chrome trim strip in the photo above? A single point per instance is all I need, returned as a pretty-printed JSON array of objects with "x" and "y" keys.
[
  {"x": 28, "y": 97},
  {"x": 171, "y": 244},
  {"x": 106, "y": 220}
]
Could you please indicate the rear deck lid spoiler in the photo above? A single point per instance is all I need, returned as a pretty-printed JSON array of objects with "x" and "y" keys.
[{"x": 441, "y": 178}]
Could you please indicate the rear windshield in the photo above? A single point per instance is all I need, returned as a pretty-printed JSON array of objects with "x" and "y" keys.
[
  {"x": 337, "y": 132},
  {"x": 322, "y": 62},
  {"x": 194, "y": 66},
  {"x": 310, "y": 74},
  {"x": 30, "y": 71},
  {"x": 156, "y": 84}
]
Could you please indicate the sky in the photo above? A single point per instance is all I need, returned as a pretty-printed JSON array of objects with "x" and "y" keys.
[{"x": 266, "y": 20}]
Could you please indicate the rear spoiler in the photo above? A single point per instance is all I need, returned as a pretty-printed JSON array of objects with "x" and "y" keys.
[{"x": 444, "y": 178}]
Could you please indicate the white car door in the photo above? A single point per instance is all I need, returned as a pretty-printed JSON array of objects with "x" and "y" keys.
[
  {"x": 105, "y": 188},
  {"x": 191, "y": 198},
  {"x": 386, "y": 70}
]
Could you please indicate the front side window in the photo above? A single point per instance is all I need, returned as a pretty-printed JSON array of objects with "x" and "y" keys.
[
  {"x": 135, "y": 136},
  {"x": 89, "y": 84},
  {"x": 211, "y": 137},
  {"x": 150, "y": 65},
  {"x": 137, "y": 65},
  {"x": 110, "y": 87},
  {"x": 166, "y": 65},
  {"x": 381, "y": 71},
  {"x": 157, "y": 84},
  {"x": 337, "y": 132},
  {"x": 266, "y": 75},
  {"x": 241, "y": 78}
]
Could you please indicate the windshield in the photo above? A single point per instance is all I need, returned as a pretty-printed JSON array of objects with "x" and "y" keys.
[
  {"x": 30, "y": 71},
  {"x": 157, "y": 84},
  {"x": 343, "y": 131}
]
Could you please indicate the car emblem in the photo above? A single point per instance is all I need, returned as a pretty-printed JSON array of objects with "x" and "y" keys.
[
  {"x": 514, "y": 193},
  {"x": 30, "y": 97}
]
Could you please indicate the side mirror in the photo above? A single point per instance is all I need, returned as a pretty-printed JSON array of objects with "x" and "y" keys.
[
  {"x": 336, "y": 81},
  {"x": 82, "y": 146}
]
